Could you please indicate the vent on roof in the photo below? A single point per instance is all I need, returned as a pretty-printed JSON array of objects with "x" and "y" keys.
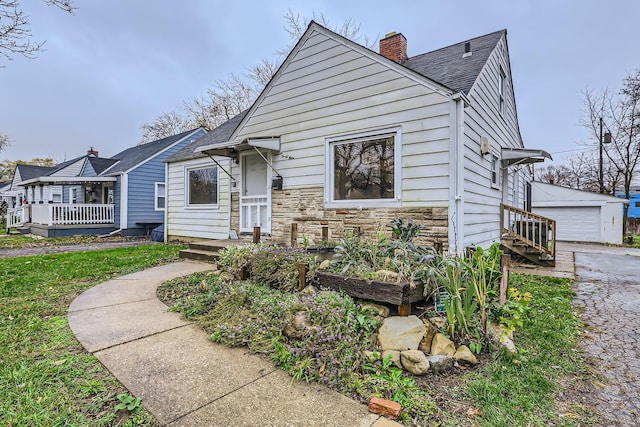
[{"x": 467, "y": 50}]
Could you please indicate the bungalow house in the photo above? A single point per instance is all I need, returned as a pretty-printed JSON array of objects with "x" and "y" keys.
[
  {"x": 94, "y": 195},
  {"x": 347, "y": 138}
]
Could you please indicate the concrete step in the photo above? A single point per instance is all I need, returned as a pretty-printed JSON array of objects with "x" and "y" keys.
[
  {"x": 212, "y": 246},
  {"x": 199, "y": 255}
]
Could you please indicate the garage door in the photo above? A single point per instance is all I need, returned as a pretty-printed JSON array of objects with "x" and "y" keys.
[{"x": 574, "y": 224}]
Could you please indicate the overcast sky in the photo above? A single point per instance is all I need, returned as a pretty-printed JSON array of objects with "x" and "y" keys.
[{"x": 117, "y": 64}]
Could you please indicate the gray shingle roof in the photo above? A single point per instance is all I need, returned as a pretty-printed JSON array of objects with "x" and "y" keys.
[
  {"x": 447, "y": 66},
  {"x": 99, "y": 164},
  {"x": 134, "y": 155},
  {"x": 217, "y": 136},
  {"x": 31, "y": 171}
]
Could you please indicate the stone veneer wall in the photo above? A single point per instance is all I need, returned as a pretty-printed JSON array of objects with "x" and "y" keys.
[
  {"x": 305, "y": 208},
  {"x": 235, "y": 211}
]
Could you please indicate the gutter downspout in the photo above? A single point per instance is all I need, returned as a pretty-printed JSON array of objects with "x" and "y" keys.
[
  {"x": 166, "y": 203},
  {"x": 124, "y": 196},
  {"x": 456, "y": 175}
]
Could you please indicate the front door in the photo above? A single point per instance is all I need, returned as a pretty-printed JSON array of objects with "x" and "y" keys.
[{"x": 255, "y": 194}]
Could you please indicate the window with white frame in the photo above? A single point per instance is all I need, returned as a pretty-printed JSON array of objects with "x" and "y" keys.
[
  {"x": 73, "y": 195},
  {"x": 202, "y": 186},
  {"x": 495, "y": 171},
  {"x": 501, "y": 90},
  {"x": 161, "y": 196},
  {"x": 363, "y": 169},
  {"x": 56, "y": 197}
]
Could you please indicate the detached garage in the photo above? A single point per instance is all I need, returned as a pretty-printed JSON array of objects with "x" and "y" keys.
[{"x": 581, "y": 216}]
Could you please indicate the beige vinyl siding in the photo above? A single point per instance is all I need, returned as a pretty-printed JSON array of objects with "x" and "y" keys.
[
  {"x": 73, "y": 169},
  {"x": 329, "y": 90},
  {"x": 205, "y": 223},
  {"x": 483, "y": 118}
]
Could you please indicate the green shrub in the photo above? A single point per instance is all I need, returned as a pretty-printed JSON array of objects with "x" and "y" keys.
[
  {"x": 278, "y": 267},
  {"x": 233, "y": 259}
]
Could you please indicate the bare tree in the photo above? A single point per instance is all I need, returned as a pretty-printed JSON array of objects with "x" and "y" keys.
[
  {"x": 5, "y": 141},
  {"x": 559, "y": 175},
  {"x": 620, "y": 114},
  {"x": 295, "y": 26},
  {"x": 235, "y": 94},
  {"x": 15, "y": 32},
  {"x": 165, "y": 125}
]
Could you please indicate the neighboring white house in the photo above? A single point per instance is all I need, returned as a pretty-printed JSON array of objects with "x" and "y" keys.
[
  {"x": 345, "y": 138},
  {"x": 581, "y": 216}
]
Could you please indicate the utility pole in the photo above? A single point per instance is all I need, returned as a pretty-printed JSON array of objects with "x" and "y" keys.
[{"x": 601, "y": 176}]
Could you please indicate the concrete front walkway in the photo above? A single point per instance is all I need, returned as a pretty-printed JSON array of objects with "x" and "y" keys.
[{"x": 182, "y": 377}]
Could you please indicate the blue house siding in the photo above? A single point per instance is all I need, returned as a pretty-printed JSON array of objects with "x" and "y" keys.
[
  {"x": 116, "y": 201},
  {"x": 141, "y": 196},
  {"x": 634, "y": 205},
  {"x": 88, "y": 170}
]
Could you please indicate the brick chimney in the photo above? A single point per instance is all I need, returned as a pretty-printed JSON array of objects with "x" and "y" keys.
[
  {"x": 92, "y": 152},
  {"x": 394, "y": 47}
]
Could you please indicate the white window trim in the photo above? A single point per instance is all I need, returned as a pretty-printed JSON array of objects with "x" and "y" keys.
[
  {"x": 155, "y": 196},
  {"x": 495, "y": 163},
  {"x": 53, "y": 197},
  {"x": 186, "y": 188},
  {"x": 71, "y": 195},
  {"x": 329, "y": 202}
]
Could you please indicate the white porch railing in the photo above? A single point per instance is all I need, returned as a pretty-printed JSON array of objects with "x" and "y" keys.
[
  {"x": 72, "y": 214},
  {"x": 17, "y": 216}
]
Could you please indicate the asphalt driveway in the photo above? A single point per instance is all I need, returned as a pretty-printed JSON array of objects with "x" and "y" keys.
[{"x": 608, "y": 288}]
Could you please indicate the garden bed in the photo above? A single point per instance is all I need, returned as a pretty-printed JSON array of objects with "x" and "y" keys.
[{"x": 400, "y": 293}]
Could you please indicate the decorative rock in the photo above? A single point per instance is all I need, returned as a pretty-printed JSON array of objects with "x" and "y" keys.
[
  {"x": 372, "y": 356},
  {"x": 387, "y": 408},
  {"x": 324, "y": 265},
  {"x": 380, "y": 310},
  {"x": 395, "y": 357},
  {"x": 385, "y": 422},
  {"x": 499, "y": 335},
  {"x": 387, "y": 276},
  {"x": 439, "y": 322},
  {"x": 414, "y": 361},
  {"x": 309, "y": 290},
  {"x": 425, "y": 344},
  {"x": 401, "y": 333},
  {"x": 441, "y": 345},
  {"x": 463, "y": 354},
  {"x": 440, "y": 364},
  {"x": 296, "y": 326}
]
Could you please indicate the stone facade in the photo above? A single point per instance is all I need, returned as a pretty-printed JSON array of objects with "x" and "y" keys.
[
  {"x": 235, "y": 211},
  {"x": 305, "y": 207}
]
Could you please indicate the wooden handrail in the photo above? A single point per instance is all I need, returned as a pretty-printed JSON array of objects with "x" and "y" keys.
[{"x": 535, "y": 230}]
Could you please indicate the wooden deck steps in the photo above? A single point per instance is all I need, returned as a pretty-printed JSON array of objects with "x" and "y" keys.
[{"x": 529, "y": 235}]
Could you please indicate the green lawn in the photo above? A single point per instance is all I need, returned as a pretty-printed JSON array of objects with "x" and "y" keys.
[{"x": 46, "y": 377}]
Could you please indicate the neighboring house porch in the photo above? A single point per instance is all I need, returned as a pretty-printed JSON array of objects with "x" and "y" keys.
[{"x": 65, "y": 206}]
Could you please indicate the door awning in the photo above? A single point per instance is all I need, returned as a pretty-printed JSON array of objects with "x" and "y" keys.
[
  {"x": 520, "y": 156},
  {"x": 231, "y": 148}
]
